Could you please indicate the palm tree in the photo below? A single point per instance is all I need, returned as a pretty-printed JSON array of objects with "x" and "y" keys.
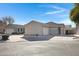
[
  {"x": 74, "y": 16},
  {"x": 8, "y": 20}
]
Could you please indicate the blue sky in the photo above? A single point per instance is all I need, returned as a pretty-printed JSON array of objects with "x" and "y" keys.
[{"x": 43, "y": 12}]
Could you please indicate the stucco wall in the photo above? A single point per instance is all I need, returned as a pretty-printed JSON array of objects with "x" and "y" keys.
[
  {"x": 62, "y": 31},
  {"x": 34, "y": 28}
]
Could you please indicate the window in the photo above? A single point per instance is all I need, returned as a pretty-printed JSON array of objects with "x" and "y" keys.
[{"x": 59, "y": 30}]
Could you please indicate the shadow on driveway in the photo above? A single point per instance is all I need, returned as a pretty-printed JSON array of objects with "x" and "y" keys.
[
  {"x": 38, "y": 38},
  {"x": 2, "y": 41}
]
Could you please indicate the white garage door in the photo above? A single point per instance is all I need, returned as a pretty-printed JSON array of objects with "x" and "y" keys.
[
  {"x": 53, "y": 31},
  {"x": 9, "y": 31},
  {"x": 45, "y": 31}
]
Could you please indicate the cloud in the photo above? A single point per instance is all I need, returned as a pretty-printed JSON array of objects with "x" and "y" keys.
[
  {"x": 58, "y": 10},
  {"x": 54, "y": 12},
  {"x": 60, "y": 13}
]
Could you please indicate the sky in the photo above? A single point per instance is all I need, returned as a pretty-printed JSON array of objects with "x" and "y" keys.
[{"x": 42, "y": 12}]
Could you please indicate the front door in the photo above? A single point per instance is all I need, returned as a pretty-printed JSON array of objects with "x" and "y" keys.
[{"x": 59, "y": 30}]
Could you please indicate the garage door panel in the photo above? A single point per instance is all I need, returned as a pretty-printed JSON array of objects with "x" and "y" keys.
[
  {"x": 45, "y": 31},
  {"x": 53, "y": 31}
]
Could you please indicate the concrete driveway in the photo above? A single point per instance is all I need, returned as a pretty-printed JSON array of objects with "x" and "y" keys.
[{"x": 56, "y": 46}]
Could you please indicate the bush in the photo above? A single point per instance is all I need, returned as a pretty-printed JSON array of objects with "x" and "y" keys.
[{"x": 5, "y": 37}]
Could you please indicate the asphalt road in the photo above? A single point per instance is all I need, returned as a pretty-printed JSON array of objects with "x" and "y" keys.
[{"x": 56, "y": 46}]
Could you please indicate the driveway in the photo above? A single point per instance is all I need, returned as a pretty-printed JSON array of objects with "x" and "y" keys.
[{"x": 56, "y": 46}]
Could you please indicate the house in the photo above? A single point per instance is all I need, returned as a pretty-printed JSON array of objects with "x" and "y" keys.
[
  {"x": 15, "y": 29},
  {"x": 2, "y": 27},
  {"x": 69, "y": 30},
  {"x": 38, "y": 28}
]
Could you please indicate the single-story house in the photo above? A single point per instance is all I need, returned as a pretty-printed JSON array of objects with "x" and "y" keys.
[
  {"x": 69, "y": 30},
  {"x": 38, "y": 28},
  {"x": 15, "y": 29},
  {"x": 2, "y": 27}
]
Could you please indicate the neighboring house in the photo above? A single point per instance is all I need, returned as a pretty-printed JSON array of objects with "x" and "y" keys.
[
  {"x": 77, "y": 29},
  {"x": 69, "y": 30},
  {"x": 38, "y": 28},
  {"x": 15, "y": 29},
  {"x": 2, "y": 27}
]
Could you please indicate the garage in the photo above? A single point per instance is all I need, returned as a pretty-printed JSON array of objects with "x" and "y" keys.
[
  {"x": 9, "y": 31},
  {"x": 54, "y": 31},
  {"x": 45, "y": 31}
]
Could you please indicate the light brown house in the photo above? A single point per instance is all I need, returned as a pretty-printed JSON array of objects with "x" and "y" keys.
[
  {"x": 11, "y": 28},
  {"x": 50, "y": 28},
  {"x": 15, "y": 29},
  {"x": 2, "y": 27}
]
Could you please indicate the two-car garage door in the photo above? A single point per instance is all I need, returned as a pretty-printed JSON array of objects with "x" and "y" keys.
[{"x": 51, "y": 31}]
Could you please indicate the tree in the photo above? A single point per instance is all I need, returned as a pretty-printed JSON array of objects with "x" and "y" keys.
[
  {"x": 2, "y": 26},
  {"x": 8, "y": 20},
  {"x": 4, "y": 21},
  {"x": 74, "y": 15}
]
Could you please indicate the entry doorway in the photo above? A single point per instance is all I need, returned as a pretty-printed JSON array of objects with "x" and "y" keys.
[{"x": 59, "y": 30}]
